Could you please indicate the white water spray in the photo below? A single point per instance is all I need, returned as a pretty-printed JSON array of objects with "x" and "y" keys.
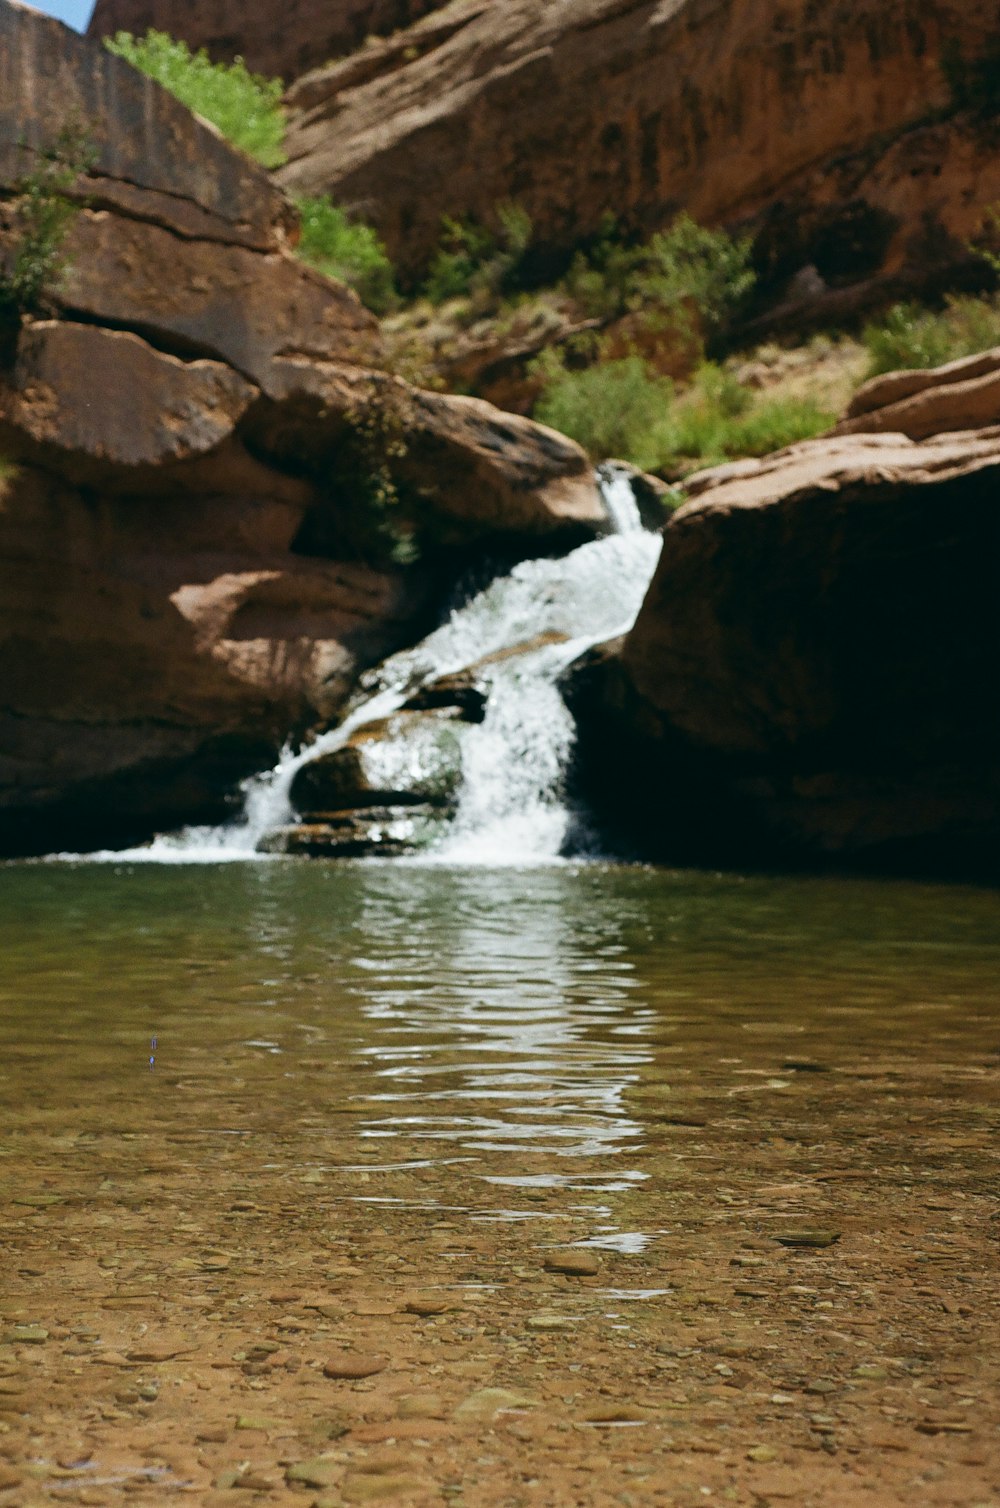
[{"x": 510, "y": 805}]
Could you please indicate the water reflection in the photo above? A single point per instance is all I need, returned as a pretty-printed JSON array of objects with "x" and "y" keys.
[{"x": 517, "y": 1028}]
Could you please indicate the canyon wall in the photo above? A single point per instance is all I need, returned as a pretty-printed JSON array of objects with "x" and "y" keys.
[
  {"x": 834, "y": 131},
  {"x": 280, "y": 41},
  {"x": 810, "y": 676},
  {"x": 194, "y": 561}
]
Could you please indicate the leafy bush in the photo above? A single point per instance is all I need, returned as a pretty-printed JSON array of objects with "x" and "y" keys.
[
  {"x": 688, "y": 276},
  {"x": 474, "y": 262},
  {"x": 346, "y": 249},
  {"x": 245, "y": 107},
  {"x": 987, "y": 244},
  {"x": 43, "y": 216},
  {"x": 912, "y": 336},
  {"x": 618, "y": 408},
  {"x": 717, "y": 420},
  {"x": 614, "y": 408}
]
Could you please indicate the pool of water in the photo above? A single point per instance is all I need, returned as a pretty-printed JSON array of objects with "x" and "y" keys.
[
  {"x": 357, "y": 1078},
  {"x": 497, "y": 1030}
]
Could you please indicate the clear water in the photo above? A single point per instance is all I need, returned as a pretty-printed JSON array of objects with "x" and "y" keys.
[
  {"x": 505, "y": 1030},
  {"x": 370, "y": 1079}
]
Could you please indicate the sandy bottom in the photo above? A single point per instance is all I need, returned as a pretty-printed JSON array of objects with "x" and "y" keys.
[{"x": 174, "y": 1329}]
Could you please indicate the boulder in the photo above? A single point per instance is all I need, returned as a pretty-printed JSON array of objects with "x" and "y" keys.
[
  {"x": 410, "y": 758},
  {"x": 961, "y": 395},
  {"x": 809, "y": 675},
  {"x": 387, "y": 832},
  {"x": 837, "y": 133}
]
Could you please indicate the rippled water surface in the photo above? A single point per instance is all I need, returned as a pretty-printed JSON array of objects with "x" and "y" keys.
[
  {"x": 437, "y": 1172},
  {"x": 493, "y": 1031}
]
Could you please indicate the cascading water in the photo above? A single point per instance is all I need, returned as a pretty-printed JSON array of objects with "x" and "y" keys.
[{"x": 510, "y": 806}]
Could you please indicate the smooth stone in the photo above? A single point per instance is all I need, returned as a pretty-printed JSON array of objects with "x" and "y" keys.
[
  {"x": 351, "y": 1367},
  {"x": 27, "y": 1335},
  {"x": 871, "y": 1373},
  {"x": 486, "y": 1403},
  {"x": 815, "y": 1238},
  {"x": 762, "y": 1453},
  {"x": 544, "y": 1323},
  {"x": 576, "y": 1263},
  {"x": 370, "y": 1489},
  {"x": 427, "y": 1304},
  {"x": 420, "y": 1406},
  {"x": 318, "y": 1472}
]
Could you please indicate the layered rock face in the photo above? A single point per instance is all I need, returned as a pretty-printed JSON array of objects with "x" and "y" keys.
[
  {"x": 812, "y": 672},
  {"x": 281, "y": 41},
  {"x": 187, "y": 572},
  {"x": 829, "y": 129}
]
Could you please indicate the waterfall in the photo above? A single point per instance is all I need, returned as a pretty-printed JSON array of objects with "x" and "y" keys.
[{"x": 534, "y": 623}]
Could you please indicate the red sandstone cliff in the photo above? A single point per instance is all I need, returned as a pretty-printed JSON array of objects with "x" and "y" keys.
[
  {"x": 280, "y": 40},
  {"x": 181, "y": 582},
  {"x": 830, "y": 129}
]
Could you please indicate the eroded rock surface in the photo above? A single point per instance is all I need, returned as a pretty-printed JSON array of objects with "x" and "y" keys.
[
  {"x": 833, "y": 130},
  {"x": 282, "y": 40},
  {"x": 808, "y": 674},
  {"x": 962, "y": 395},
  {"x": 186, "y": 537}
]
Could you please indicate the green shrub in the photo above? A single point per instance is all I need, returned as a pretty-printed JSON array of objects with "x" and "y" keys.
[
  {"x": 346, "y": 249},
  {"x": 689, "y": 277},
  {"x": 618, "y": 408},
  {"x": 43, "y": 216},
  {"x": 718, "y": 420},
  {"x": 478, "y": 263},
  {"x": 987, "y": 244},
  {"x": 245, "y": 107},
  {"x": 910, "y": 335},
  {"x": 614, "y": 408}
]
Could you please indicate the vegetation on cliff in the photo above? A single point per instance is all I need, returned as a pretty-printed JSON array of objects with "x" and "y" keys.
[
  {"x": 244, "y": 106},
  {"x": 42, "y": 215},
  {"x": 630, "y": 345}
]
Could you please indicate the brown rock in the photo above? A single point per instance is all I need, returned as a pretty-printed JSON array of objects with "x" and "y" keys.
[
  {"x": 154, "y": 158},
  {"x": 962, "y": 395},
  {"x": 188, "y": 486},
  {"x": 575, "y": 1263},
  {"x": 352, "y": 1365},
  {"x": 234, "y": 303},
  {"x": 283, "y": 43},
  {"x": 105, "y": 396},
  {"x": 818, "y": 127},
  {"x": 806, "y": 674}
]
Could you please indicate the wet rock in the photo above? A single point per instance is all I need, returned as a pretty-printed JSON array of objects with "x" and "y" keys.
[
  {"x": 316, "y": 1472},
  {"x": 26, "y": 1335},
  {"x": 428, "y": 1304},
  {"x": 785, "y": 690},
  {"x": 346, "y": 835},
  {"x": 408, "y": 759},
  {"x": 487, "y": 1403},
  {"x": 574, "y": 1263}
]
